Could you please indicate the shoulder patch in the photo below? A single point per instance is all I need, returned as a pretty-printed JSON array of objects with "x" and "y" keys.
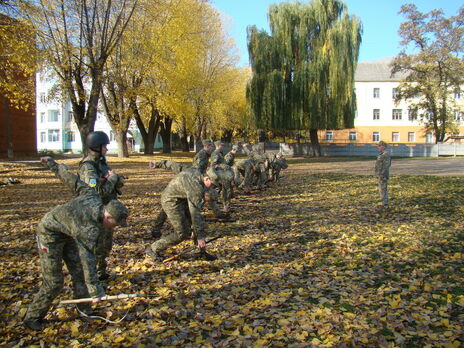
[{"x": 93, "y": 182}]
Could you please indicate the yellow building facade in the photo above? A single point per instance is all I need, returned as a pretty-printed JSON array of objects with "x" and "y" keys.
[{"x": 378, "y": 117}]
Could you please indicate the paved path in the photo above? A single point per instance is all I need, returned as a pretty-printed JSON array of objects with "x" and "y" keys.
[{"x": 432, "y": 166}]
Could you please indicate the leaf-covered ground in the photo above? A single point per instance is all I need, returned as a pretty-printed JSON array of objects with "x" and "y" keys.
[{"x": 309, "y": 262}]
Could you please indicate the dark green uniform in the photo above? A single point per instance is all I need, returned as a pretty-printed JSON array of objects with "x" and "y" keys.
[
  {"x": 175, "y": 167},
  {"x": 93, "y": 170},
  {"x": 382, "y": 170},
  {"x": 217, "y": 158},
  {"x": 68, "y": 233},
  {"x": 201, "y": 160}
]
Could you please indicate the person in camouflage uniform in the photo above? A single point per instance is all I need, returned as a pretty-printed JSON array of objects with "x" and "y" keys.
[
  {"x": 69, "y": 233},
  {"x": 382, "y": 171},
  {"x": 217, "y": 157},
  {"x": 276, "y": 167},
  {"x": 175, "y": 167},
  {"x": 229, "y": 158},
  {"x": 245, "y": 168},
  {"x": 201, "y": 159},
  {"x": 185, "y": 192},
  {"x": 95, "y": 172},
  {"x": 259, "y": 177},
  {"x": 225, "y": 182}
]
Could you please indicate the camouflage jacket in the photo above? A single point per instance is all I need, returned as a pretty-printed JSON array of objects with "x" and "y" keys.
[
  {"x": 245, "y": 163},
  {"x": 256, "y": 156},
  {"x": 217, "y": 158},
  {"x": 229, "y": 159},
  {"x": 382, "y": 165},
  {"x": 187, "y": 185},
  {"x": 92, "y": 171},
  {"x": 80, "y": 219},
  {"x": 200, "y": 160}
]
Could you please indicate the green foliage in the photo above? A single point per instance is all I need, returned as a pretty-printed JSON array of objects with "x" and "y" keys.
[
  {"x": 303, "y": 72},
  {"x": 432, "y": 59}
]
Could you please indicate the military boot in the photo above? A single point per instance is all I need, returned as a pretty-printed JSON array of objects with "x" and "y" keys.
[
  {"x": 205, "y": 256},
  {"x": 34, "y": 324}
]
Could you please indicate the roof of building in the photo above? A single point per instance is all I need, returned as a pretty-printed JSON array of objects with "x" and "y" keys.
[{"x": 378, "y": 70}]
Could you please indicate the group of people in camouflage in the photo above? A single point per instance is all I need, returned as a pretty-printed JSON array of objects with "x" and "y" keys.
[{"x": 80, "y": 232}]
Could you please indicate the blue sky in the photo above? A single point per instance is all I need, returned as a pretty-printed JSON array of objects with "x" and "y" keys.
[{"x": 380, "y": 21}]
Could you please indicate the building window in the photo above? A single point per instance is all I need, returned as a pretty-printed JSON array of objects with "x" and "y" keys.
[
  {"x": 42, "y": 117},
  {"x": 458, "y": 115},
  {"x": 43, "y": 98},
  {"x": 352, "y": 136},
  {"x": 395, "y": 137},
  {"x": 43, "y": 137},
  {"x": 411, "y": 137},
  {"x": 53, "y": 135},
  {"x": 457, "y": 95},
  {"x": 376, "y": 114},
  {"x": 429, "y": 138},
  {"x": 428, "y": 115},
  {"x": 396, "y": 114},
  {"x": 329, "y": 136},
  {"x": 112, "y": 137},
  {"x": 376, "y": 92},
  {"x": 69, "y": 117},
  {"x": 395, "y": 93},
  {"x": 412, "y": 114},
  {"x": 52, "y": 115},
  {"x": 376, "y": 137},
  {"x": 70, "y": 137}
]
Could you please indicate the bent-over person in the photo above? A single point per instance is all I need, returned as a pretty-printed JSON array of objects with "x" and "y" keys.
[{"x": 69, "y": 233}]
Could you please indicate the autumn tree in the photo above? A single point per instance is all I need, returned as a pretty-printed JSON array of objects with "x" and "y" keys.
[
  {"x": 77, "y": 37},
  {"x": 433, "y": 61},
  {"x": 303, "y": 71}
]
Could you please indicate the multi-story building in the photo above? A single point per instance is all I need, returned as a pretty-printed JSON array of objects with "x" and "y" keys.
[
  {"x": 378, "y": 117},
  {"x": 56, "y": 129}
]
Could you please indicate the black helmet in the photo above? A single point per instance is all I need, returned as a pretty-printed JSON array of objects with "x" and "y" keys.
[{"x": 96, "y": 139}]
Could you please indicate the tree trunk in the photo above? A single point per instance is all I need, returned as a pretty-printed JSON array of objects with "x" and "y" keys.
[
  {"x": 148, "y": 135},
  {"x": 165, "y": 132},
  {"x": 184, "y": 137},
  {"x": 315, "y": 146},
  {"x": 121, "y": 139},
  {"x": 227, "y": 136}
]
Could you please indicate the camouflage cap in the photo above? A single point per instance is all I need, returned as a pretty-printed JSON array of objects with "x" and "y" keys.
[
  {"x": 118, "y": 212},
  {"x": 235, "y": 147},
  {"x": 212, "y": 174},
  {"x": 206, "y": 142},
  {"x": 218, "y": 143},
  {"x": 382, "y": 143}
]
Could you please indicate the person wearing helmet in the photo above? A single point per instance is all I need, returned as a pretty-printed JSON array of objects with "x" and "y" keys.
[
  {"x": 184, "y": 193},
  {"x": 69, "y": 233},
  {"x": 95, "y": 172}
]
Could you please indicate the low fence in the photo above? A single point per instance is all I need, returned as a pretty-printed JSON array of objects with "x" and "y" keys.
[{"x": 397, "y": 150}]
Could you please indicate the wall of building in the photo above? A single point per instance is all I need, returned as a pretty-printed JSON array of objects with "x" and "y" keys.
[{"x": 19, "y": 126}]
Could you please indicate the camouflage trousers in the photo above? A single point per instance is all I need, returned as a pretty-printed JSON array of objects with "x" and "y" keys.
[
  {"x": 383, "y": 191},
  {"x": 247, "y": 174},
  {"x": 177, "y": 213},
  {"x": 52, "y": 252},
  {"x": 159, "y": 222},
  {"x": 103, "y": 250}
]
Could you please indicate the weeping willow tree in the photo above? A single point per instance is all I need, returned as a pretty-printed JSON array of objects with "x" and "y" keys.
[{"x": 303, "y": 71}]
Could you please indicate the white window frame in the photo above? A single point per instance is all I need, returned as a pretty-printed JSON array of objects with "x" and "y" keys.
[
  {"x": 70, "y": 137},
  {"x": 376, "y": 92},
  {"x": 43, "y": 137},
  {"x": 397, "y": 114},
  {"x": 43, "y": 97},
  {"x": 375, "y": 137},
  {"x": 412, "y": 114},
  {"x": 328, "y": 136},
  {"x": 411, "y": 137},
  {"x": 53, "y": 115},
  {"x": 395, "y": 137},
  {"x": 53, "y": 135},
  {"x": 458, "y": 116},
  {"x": 395, "y": 93},
  {"x": 42, "y": 117},
  {"x": 352, "y": 136},
  {"x": 429, "y": 138},
  {"x": 376, "y": 114}
]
